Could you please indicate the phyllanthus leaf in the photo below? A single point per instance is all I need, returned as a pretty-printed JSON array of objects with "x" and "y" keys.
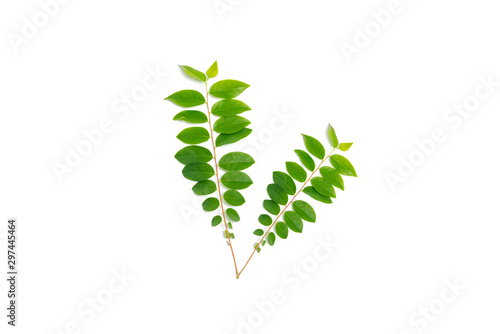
[
  {"x": 216, "y": 220},
  {"x": 205, "y": 187},
  {"x": 229, "y": 107},
  {"x": 293, "y": 221},
  {"x": 296, "y": 171},
  {"x": 332, "y": 136},
  {"x": 323, "y": 187},
  {"x": 187, "y": 98},
  {"x": 285, "y": 181},
  {"x": 316, "y": 195},
  {"x": 281, "y": 230},
  {"x": 272, "y": 207},
  {"x": 277, "y": 194},
  {"x": 306, "y": 159},
  {"x": 345, "y": 146},
  {"x": 314, "y": 147},
  {"x": 195, "y": 74},
  {"x": 193, "y": 135},
  {"x": 332, "y": 176},
  {"x": 342, "y": 165},
  {"x": 233, "y": 215},
  {"x": 234, "y": 197},
  {"x": 198, "y": 171},
  {"x": 228, "y": 89},
  {"x": 271, "y": 238},
  {"x": 191, "y": 116},
  {"x": 265, "y": 220},
  {"x": 213, "y": 70},
  {"x": 210, "y": 204},
  {"x": 193, "y": 153},
  {"x": 236, "y": 180},
  {"x": 225, "y": 139},
  {"x": 305, "y": 211},
  {"x": 236, "y": 161},
  {"x": 230, "y": 124}
]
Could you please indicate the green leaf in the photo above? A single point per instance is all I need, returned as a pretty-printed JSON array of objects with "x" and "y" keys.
[
  {"x": 216, "y": 220},
  {"x": 332, "y": 176},
  {"x": 281, "y": 230},
  {"x": 258, "y": 232},
  {"x": 323, "y": 187},
  {"x": 277, "y": 194},
  {"x": 306, "y": 159},
  {"x": 293, "y": 221},
  {"x": 233, "y": 215},
  {"x": 193, "y": 153},
  {"x": 285, "y": 181},
  {"x": 265, "y": 220},
  {"x": 272, "y": 207},
  {"x": 230, "y": 124},
  {"x": 316, "y": 195},
  {"x": 205, "y": 187},
  {"x": 193, "y": 135},
  {"x": 210, "y": 204},
  {"x": 224, "y": 139},
  {"x": 345, "y": 146},
  {"x": 236, "y": 161},
  {"x": 234, "y": 197},
  {"x": 195, "y": 74},
  {"x": 213, "y": 70},
  {"x": 229, "y": 107},
  {"x": 333, "y": 137},
  {"x": 296, "y": 171},
  {"x": 198, "y": 171},
  {"x": 236, "y": 180},
  {"x": 186, "y": 98},
  {"x": 305, "y": 211},
  {"x": 228, "y": 89},
  {"x": 314, "y": 146},
  {"x": 191, "y": 116},
  {"x": 229, "y": 225},
  {"x": 342, "y": 165},
  {"x": 271, "y": 238}
]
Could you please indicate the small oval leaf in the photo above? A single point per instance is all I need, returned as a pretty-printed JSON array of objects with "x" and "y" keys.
[
  {"x": 224, "y": 139},
  {"x": 186, "y": 98},
  {"x": 323, "y": 187},
  {"x": 265, "y": 220},
  {"x": 233, "y": 215},
  {"x": 236, "y": 180},
  {"x": 216, "y": 220},
  {"x": 213, "y": 70},
  {"x": 306, "y": 159},
  {"x": 281, "y": 230},
  {"x": 258, "y": 232},
  {"x": 293, "y": 221},
  {"x": 332, "y": 176},
  {"x": 314, "y": 147},
  {"x": 228, "y": 89},
  {"x": 191, "y": 116},
  {"x": 229, "y": 107},
  {"x": 296, "y": 171},
  {"x": 277, "y": 194},
  {"x": 210, "y": 204},
  {"x": 345, "y": 146},
  {"x": 236, "y": 161},
  {"x": 272, "y": 207},
  {"x": 205, "y": 187},
  {"x": 198, "y": 171},
  {"x": 271, "y": 238},
  {"x": 305, "y": 211},
  {"x": 230, "y": 124},
  {"x": 193, "y": 73},
  {"x": 285, "y": 181},
  {"x": 194, "y": 135},
  {"x": 342, "y": 165},
  {"x": 316, "y": 195},
  {"x": 193, "y": 153},
  {"x": 333, "y": 137},
  {"x": 234, "y": 197}
]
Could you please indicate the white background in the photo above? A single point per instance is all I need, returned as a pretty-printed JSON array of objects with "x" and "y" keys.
[{"x": 125, "y": 205}]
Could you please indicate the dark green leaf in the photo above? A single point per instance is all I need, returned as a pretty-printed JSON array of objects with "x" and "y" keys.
[
  {"x": 306, "y": 159},
  {"x": 223, "y": 139},
  {"x": 305, "y": 211},
  {"x": 186, "y": 98},
  {"x": 314, "y": 146},
  {"x": 198, "y": 171},
  {"x": 293, "y": 221},
  {"x": 323, "y": 187},
  {"x": 277, "y": 194},
  {"x": 281, "y": 230},
  {"x": 194, "y": 135},
  {"x": 216, "y": 220},
  {"x": 272, "y": 207},
  {"x": 205, "y": 187},
  {"x": 265, "y": 220},
  {"x": 342, "y": 165},
  {"x": 285, "y": 181},
  {"x": 228, "y": 89},
  {"x": 236, "y": 161},
  {"x": 213, "y": 70},
  {"x": 191, "y": 116},
  {"x": 234, "y": 197},
  {"x": 271, "y": 238},
  {"x": 230, "y": 124},
  {"x": 332, "y": 176},
  {"x": 345, "y": 146},
  {"x": 316, "y": 195},
  {"x": 296, "y": 171},
  {"x": 229, "y": 107},
  {"x": 193, "y": 153},
  {"x": 333, "y": 137},
  {"x": 258, "y": 232},
  {"x": 233, "y": 215},
  {"x": 195, "y": 74},
  {"x": 210, "y": 204},
  {"x": 236, "y": 180}
]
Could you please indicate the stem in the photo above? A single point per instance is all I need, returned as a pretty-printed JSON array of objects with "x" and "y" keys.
[
  {"x": 282, "y": 211},
  {"x": 218, "y": 182}
]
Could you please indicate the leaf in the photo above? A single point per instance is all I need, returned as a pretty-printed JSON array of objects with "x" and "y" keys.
[
  {"x": 265, "y": 220},
  {"x": 271, "y": 238},
  {"x": 213, "y": 70},
  {"x": 342, "y": 165},
  {"x": 230, "y": 124},
  {"x": 210, "y": 204},
  {"x": 281, "y": 230},
  {"x": 345, "y": 146},
  {"x": 306, "y": 159},
  {"x": 195, "y": 74},
  {"x": 216, "y": 220},
  {"x": 234, "y": 197},
  {"x": 285, "y": 181},
  {"x": 233, "y": 215},
  {"x": 193, "y": 135},
  {"x": 198, "y": 171},
  {"x": 236, "y": 180},
  {"x": 316, "y": 195},
  {"x": 314, "y": 146},
  {"x": 186, "y": 98},
  {"x": 236, "y": 161},
  {"x": 333, "y": 137},
  {"x": 332, "y": 176},
  {"x": 272, "y": 207},
  {"x": 277, "y": 194},
  {"x": 305, "y": 211},
  {"x": 296, "y": 171},
  {"x": 229, "y": 225},
  {"x": 229, "y": 107},
  {"x": 258, "y": 232},
  {"x": 191, "y": 116},
  {"x": 193, "y": 153},
  {"x": 205, "y": 187},
  {"x": 323, "y": 187},
  {"x": 224, "y": 139},
  {"x": 293, "y": 221},
  {"x": 228, "y": 89}
]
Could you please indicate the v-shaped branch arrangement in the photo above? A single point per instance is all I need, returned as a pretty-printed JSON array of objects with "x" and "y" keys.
[{"x": 230, "y": 127}]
